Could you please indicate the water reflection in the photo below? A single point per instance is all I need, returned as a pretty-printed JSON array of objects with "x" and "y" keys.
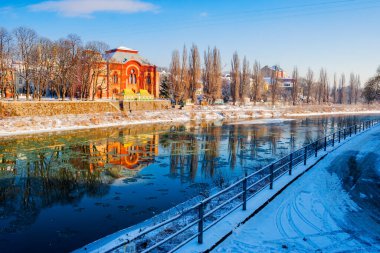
[{"x": 54, "y": 188}]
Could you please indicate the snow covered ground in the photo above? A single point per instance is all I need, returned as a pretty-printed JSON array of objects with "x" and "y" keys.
[
  {"x": 332, "y": 208},
  {"x": 11, "y": 126}
]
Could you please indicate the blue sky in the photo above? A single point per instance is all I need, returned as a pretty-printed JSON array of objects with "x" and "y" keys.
[{"x": 340, "y": 35}]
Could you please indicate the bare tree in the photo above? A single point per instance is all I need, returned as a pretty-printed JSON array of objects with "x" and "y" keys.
[
  {"x": 309, "y": 84},
  {"x": 295, "y": 88},
  {"x": 194, "y": 71},
  {"x": 342, "y": 90},
  {"x": 212, "y": 74},
  {"x": 357, "y": 89},
  {"x": 216, "y": 75},
  {"x": 351, "y": 90},
  {"x": 245, "y": 80},
  {"x": 76, "y": 50},
  {"x": 322, "y": 87},
  {"x": 43, "y": 61},
  {"x": 175, "y": 79},
  {"x": 94, "y": 50},
  {"x": 64, "y": 69},
  {"x": 6, "y": 70},
  {"x": 184, "y": 76},
  {"x": 26, "y": 41},
  {"x": 275, "y": 83},
  {"x": 334, "y": 90},
  {"x": 257, "y": 82},
  {"x": 206, "y": 73},
  {"x": 326, "y": 89},
  {"x": 235, "y": 77}
]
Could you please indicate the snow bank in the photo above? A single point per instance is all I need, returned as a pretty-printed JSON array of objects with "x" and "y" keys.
[{"x": 11, "y": 126}]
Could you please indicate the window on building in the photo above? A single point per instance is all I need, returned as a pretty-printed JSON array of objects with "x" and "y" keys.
[
  {"x": 115, "y": 78},
  {"x": 148, "y": 79},
  {"x": 132, "y": 77}
]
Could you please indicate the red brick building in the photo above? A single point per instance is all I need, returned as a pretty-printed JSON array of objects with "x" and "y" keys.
[{"x": 126, "y": 69}]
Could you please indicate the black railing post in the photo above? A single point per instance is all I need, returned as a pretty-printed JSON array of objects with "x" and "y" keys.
[
  {"x": 325, "y": 143},
  {"x": 350, "y": 131},
  {"x": 305, "y": 156},
  {"x": 200, "y": 223},
  {"x": 344, "y": 134},
  {"x": 316, "y": 148},
  {"x": 271, "y": 176},
  {"x": 245, "y": 193},
  {"x": 333, "y": 143},
  {"x": 339, "y": 136},
  {"x": 291, "y": 164},
  {"x": 356, "y": 129}
]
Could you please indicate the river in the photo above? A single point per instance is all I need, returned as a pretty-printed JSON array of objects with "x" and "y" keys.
[{"x": 61, "y": 191}]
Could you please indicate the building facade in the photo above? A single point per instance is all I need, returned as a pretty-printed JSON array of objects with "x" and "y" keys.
[
  {"x": 126, "y": 69},
  {"x": 275, "y": 71}
]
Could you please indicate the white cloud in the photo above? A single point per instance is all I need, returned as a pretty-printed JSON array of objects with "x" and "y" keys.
[{"x": 84, "y": 8}]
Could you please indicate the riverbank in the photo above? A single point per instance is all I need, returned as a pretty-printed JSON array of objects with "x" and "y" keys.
[
  {"x": 11, "y": 126},
  {"x": 332, "y": 208}
]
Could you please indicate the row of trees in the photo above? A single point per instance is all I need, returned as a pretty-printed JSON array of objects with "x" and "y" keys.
[
  {"x": 66, "y": 67},
  {"x": 187, "y": 76},
  {"x": 69, "y": 68}
]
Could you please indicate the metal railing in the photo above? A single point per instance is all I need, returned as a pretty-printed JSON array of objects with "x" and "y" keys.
[{"x": 194, "y": 221}]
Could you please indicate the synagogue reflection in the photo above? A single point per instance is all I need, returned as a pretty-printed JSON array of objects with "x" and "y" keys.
[{"x": 124, "y": 156}]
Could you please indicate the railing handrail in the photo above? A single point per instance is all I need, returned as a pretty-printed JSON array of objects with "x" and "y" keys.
[{"x": 362, "y": 126}]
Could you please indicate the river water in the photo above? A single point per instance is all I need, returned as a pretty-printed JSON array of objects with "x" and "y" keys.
[{"x": 61, "y": 191}]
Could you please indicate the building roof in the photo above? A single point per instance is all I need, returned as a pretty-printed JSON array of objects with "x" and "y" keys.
[
  {"x": 124, "y": 54},
  {"x": 126, "y": 48}
]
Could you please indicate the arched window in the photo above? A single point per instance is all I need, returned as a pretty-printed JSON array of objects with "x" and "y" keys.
[
  {"x": 132, "y": 77},
  {"x": 148, "y": 79},
  {"x": 115, "y": 78}
]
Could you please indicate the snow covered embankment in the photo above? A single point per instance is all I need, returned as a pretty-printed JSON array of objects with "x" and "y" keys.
[
  {"x": 332, "y": 208},
  {"x": 10, "y": 126}
]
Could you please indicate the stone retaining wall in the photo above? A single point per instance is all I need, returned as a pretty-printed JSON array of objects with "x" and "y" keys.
[
  {"x": 50, "y": 108},
  {"x": 146, "y": 105}
]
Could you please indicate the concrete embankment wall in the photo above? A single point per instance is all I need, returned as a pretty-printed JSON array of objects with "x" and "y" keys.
[
  {"x": 145, "y": 105},
  {"x": 50, "y": 108}
]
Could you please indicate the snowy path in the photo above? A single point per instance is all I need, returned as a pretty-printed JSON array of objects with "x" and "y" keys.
[{"x": 332, "y": 208}]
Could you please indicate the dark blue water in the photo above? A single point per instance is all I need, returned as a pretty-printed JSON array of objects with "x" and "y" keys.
[{"x": 59, "y": 192}]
